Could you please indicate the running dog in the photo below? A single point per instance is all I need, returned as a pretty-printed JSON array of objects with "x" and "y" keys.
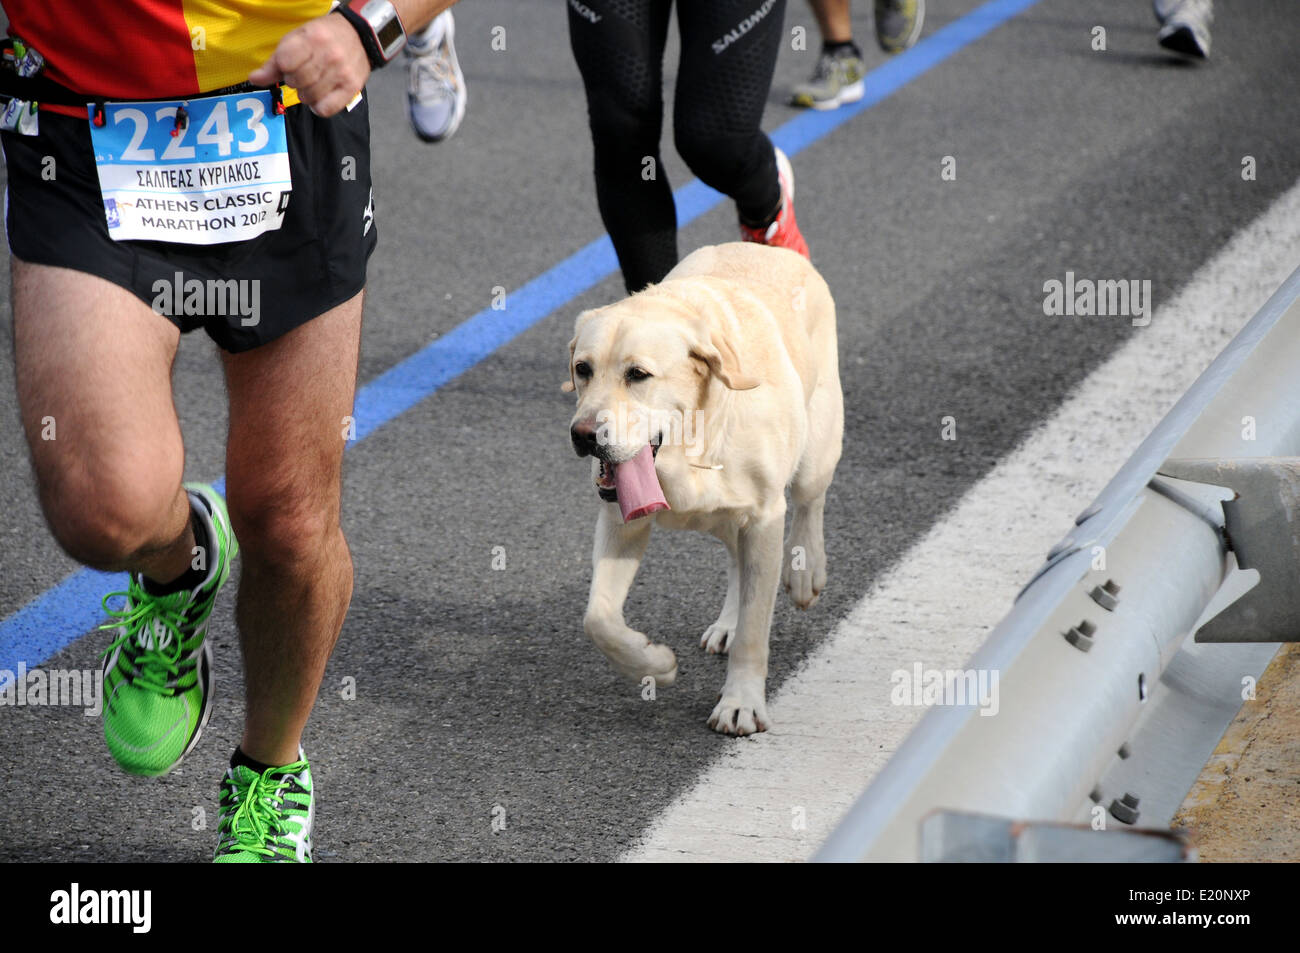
[{"x": 700, "y": 400}]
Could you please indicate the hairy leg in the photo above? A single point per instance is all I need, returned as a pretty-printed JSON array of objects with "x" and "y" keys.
[
  {"x": 288, "y": 401},
  {"x": 834, "y": 19},
  {"x": 93, "y": 369}
]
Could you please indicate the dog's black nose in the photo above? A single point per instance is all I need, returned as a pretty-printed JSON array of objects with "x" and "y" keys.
[{"x": 583, "y": 435}]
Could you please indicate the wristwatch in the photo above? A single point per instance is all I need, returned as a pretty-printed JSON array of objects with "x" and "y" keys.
[{"x": 378, "y": 25}]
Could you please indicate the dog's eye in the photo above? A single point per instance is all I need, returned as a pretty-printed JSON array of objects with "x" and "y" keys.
[
  {"x": 635, "y": 374},
  {"x": 582, "y": 369}
]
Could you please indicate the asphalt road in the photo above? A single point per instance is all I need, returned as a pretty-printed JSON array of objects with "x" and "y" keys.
[{"x": 477, "y": 695}]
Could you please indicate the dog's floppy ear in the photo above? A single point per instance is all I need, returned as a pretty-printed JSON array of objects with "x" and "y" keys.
[
  {"x": 571, "y": 385},
  {"x": 723, "y": 363},
  {"x": 712, "y": 345}
]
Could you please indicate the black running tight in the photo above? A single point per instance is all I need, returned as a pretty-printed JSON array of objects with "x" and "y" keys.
[{"x": 729, "y": 50}]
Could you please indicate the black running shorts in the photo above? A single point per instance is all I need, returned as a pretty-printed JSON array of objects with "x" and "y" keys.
[{"x": 315, "y": 261}]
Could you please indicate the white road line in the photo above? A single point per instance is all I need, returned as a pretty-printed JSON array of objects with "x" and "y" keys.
[{"x": 834, "y": 724}]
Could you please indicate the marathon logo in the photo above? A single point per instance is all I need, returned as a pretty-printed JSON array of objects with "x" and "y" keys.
[
  {"x": 212, "y": 203},
  {"x": 103, "y": 907},
  {"x": 744, "y": 26}
]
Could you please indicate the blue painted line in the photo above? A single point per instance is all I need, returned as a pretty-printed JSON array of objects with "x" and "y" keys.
[{"x": 62, "y": 614}]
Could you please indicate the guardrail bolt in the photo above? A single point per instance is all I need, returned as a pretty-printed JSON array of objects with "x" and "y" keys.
[
  {"x": 1106, "y": 595},
  {"x": 1125, "y": 809},
  {"x": 1125, "y": 750},
  {"x": 1080, "y": 636}
]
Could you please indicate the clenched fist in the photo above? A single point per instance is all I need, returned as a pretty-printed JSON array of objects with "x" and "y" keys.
[{"x": 323, "y": 59}]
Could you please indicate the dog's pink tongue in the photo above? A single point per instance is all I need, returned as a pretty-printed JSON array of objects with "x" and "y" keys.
[{"x": 639, "y": 493}]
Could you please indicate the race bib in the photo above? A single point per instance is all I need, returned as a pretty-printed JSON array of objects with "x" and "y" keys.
[{"x": 218, "y": 172}]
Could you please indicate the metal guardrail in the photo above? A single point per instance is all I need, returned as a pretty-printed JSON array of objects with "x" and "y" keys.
[{"x": 1102, "y": 693}]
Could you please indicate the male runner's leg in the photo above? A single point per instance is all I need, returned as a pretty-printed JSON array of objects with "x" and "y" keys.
[
  {"x": 93, "y": 377},
  {"x": 288, "y": 401},
  {"x": 94, "y": 362}
]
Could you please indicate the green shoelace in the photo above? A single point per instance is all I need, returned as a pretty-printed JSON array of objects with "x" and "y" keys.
[
  {"x": 257, "y": 815},
  {"x": 156, "y": 662}
]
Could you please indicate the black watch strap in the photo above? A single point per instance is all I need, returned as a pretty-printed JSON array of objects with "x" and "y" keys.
[{"x": 366, "y": 32}]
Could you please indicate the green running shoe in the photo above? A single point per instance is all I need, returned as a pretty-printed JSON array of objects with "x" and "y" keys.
[
  {"x": 266, "y": 818},
  {"x": 158, "y": 670},
  {"x": 898, "y": 23},
  {"x": 836, "y": 80}
]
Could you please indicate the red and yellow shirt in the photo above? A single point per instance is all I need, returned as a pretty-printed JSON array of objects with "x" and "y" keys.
[{"x": 155, "y": 49}]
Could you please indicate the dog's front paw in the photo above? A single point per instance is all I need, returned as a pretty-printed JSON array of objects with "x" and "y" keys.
[
  {"x": 740, "y": 712},
  {"x": 632, "y": 653},
  {"x": 655, "y": 660},
  {"x": 716, "y": 639},
  {"x": 660, "y": 662}
]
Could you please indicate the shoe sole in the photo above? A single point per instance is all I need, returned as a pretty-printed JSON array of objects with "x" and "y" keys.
[
  {"x": 1182, "y": 39},
  {"x": 217, "y": 513},
  {"x": 206, "y": 713},
  {"x": 849, "y": 94},
  {"x": 786, "y": 172}
]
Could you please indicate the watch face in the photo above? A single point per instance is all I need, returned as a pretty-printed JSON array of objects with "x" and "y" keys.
[{"x": 389, "y": 33}]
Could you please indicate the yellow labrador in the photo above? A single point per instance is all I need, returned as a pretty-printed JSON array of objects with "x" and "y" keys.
[{"x": 700, "y": 400}]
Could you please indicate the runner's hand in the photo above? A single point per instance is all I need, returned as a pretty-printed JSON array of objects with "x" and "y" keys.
[{"x": 323, "y": 59}]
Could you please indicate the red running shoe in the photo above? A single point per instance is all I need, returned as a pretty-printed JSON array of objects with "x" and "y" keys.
[{"x": 784, "y": 230}]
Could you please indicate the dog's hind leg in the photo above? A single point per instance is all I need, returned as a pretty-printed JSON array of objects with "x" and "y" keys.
[
  {"x": 616, "y": 556},
  {"x": 717, "y": 637},
  {"x": 803, "y": 567}
]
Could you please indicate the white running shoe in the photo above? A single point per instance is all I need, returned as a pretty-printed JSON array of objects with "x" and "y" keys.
[{"x": 436, "y": 93}]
